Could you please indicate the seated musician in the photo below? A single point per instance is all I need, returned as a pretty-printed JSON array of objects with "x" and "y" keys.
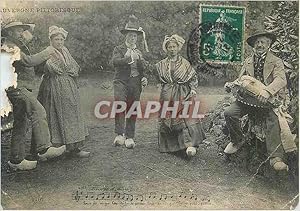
[{"x": 267, "y": 68}]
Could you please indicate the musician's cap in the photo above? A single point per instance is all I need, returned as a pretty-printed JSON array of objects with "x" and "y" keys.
[
  {"x": 251, "y": 40},
  {"x": 132, "y": 26}
]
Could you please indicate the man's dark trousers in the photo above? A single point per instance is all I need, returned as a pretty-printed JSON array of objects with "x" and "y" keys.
[
  {"x": 26, "y": 107},
  {"x": 236, "y": 110},
  {"x": 128, "y": 91}
]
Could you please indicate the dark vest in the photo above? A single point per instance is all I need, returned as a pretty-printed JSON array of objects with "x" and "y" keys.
[
  {"x": 123, "y": 70},
  {"x": 26, "y": 75}
]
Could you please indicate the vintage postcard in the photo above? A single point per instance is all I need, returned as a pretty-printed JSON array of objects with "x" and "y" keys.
[{"x": 149, "y": 105}]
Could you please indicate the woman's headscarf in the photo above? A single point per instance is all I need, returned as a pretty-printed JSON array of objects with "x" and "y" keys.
[
  {"x": 174, "y": 38},
  {"x": 61, "y": 60},
  {"x": 56, "y": 30}
]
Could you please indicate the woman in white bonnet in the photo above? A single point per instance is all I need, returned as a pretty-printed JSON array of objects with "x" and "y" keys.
[
  {"x": 59, "y": 95},
  {"x": 178, "y": 83}
]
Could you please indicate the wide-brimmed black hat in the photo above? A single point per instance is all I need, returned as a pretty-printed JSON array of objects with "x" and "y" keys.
[
  {"x": 251, "y": 40},
  {"x": 132, "y": 26}
]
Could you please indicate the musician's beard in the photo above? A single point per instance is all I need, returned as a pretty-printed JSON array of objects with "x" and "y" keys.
[{"x": 261, "y": 51}]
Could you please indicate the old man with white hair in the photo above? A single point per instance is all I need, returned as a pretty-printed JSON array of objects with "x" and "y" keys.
[
  {"x": 264, "y": 68},
  {"x": 129, "y": 79}
]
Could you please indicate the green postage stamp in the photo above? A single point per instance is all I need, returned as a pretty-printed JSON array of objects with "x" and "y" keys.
[{"x": 222, "y": 37}]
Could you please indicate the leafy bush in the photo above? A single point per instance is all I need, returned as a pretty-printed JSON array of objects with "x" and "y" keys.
[
  {"x": 94, "y": 31},
  {"x": 284, "y": 23}
]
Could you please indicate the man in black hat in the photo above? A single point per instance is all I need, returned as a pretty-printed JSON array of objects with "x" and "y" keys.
[
  {"x": 25, "y": 105},
  {"x": 268, "y": 69},
  {"x": 128, "y": 81}
]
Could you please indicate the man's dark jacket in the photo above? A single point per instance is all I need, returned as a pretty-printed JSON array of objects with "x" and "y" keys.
[{"x": 122, "y": 68}]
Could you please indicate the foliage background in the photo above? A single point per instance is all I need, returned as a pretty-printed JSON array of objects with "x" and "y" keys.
[{"x": 94, "y": 31}]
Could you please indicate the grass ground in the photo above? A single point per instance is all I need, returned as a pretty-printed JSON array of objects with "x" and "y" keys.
[{"x": 142, "y": 178}]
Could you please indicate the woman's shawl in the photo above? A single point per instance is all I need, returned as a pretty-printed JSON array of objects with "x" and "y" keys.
[
  {"x": 182, "y": 79},
  {"x": 63, "y": 61},
  {"x": 183, "y": 71}
]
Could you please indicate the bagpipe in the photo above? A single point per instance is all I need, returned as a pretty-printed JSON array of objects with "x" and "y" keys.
[{"x": 246, "y": 90}]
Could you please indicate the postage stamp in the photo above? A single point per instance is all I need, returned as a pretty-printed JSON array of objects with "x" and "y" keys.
[{"x": 221, "y": 40}]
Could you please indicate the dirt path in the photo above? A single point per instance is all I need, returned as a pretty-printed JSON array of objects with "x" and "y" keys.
[{"x": 115, "y": 177}]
